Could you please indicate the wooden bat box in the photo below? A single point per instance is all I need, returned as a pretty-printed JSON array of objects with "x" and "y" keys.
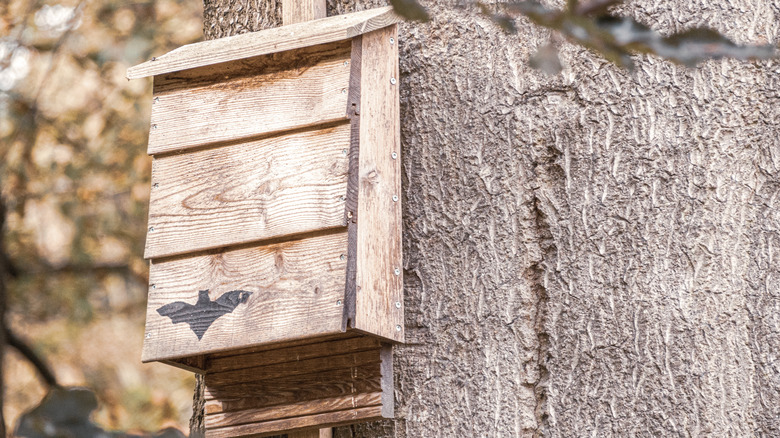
[{"x": 275, "y": 222}]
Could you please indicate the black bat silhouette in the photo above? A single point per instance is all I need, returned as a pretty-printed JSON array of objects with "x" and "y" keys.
[{"x": 202, "y": 314}]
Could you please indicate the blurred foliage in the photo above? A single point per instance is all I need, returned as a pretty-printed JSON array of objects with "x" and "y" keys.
[
  {"x": 74, "y": 177},
  {"x": 592, "y": 25}
]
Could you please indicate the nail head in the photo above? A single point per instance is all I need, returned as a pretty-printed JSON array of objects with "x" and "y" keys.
[
  {"x": 397, "y": 304},
  {"x": 394, "y": 155},
  {"x": 392, "y": 81},
  {"x": 342, "y": 257},
  {"x": 397, "y": 271},
  {"x": 398, "y": 328},
  {"x": 395, "y": 198},
  {"x": 392, "y": 40}
]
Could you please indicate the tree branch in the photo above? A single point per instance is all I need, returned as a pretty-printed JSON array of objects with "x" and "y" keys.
[{"x": 25, "y": 350}]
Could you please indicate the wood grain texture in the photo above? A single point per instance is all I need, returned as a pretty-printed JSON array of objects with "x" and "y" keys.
[
  {"x": 245, "y": 192},
  {"x": 268, "y": 428},
  {"x": 379, "y": 276},
  {"x": 335, "y": 347},
  {"x": 296, "y": 409},
  {"x": 253, "y": 97},
  {"x": 264, "y": 42},
  {"x": 298, "y": 11},
  {"x": 261, "y": 393},
  {"x": 285, "y": 391},
  {"x": 294, "y": 368},
  {"x": 295, "y": 286}
]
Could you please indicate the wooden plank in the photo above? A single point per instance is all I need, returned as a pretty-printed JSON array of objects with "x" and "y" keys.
[
  {"x": 254, "y": 97},
  {"x": 268, "y": 41},
  {"x": 287, "y": 389},
  {"x": 322, "y": 433},
  {"x": 296, "y": 291},
  {"x": 248, "y": 192},
  {"x": 292, "y": 354},
  {"x": 297, "y": 11},
  {"x": 379, "y": 279},
  {"x": 329, "y": 419},
  {"x": 293, "y": 410},
  {"x": 287, "y": 369}
]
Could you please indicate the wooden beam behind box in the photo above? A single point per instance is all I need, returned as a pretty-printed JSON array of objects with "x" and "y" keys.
[
  {"x": 250, "y": 191},
  {"x": 280, "y": 39},
  {"x": 297, "y": 291},
  {"x": 379, "y": 273},
  {"x": 323, "y": 390},
  {"x": 249, "y": 97}
]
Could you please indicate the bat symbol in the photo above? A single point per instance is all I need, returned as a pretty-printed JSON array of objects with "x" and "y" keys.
[{"x": 202, "y": 314}]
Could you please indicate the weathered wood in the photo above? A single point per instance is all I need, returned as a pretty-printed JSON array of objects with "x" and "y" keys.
[
  {"x": 247, "y": 192},
  {"x": 353, "y": 112},
  {"x": 322, "y": 384},
  {"x": 298, "y": 11},
  {"x": 297, "y": 291},
  {"x": 289, "y": 354},
  {"x": 249, "y": 98},
  {"x": 268, "y": 41},
  {"x": 350, "y": 401},
  {"x": 273, "y": 427},
  {"x": 285, "y": 369},
  {"x": 379, "y": 299},
  {"x": 322, "y": 433}
]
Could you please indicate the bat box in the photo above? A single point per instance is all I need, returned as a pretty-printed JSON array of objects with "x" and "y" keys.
[{"x": 275, "y": 222}]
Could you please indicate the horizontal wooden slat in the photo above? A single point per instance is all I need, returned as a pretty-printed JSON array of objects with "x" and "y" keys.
[
  {"x": 274, "y": 427},
  {"x": 297, "y": 291},
  {"x": 274, "y": 40},
  {"x": 291, "y": 354},
  {"x": 293, "y": 410},
  {"x": 248, "y": 192},
  {"x": 308, "y": 366},
  {"x": 287, "y": 389},
  {"x": 254, "y": 97}
]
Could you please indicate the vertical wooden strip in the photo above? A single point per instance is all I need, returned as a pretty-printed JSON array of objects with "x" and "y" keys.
[
  {"x": 379, "y": 300},
  {"x": 351, "y": 210},
  {"x": 297, "y": 11}
]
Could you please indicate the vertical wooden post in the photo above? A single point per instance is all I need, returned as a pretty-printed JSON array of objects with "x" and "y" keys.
[{"x": 296, "y": 11}]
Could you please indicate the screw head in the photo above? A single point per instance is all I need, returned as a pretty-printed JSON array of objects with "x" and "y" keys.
[
  {"x": 397, "y": 304},
  {"x": 398, "y": 328},
  {"x": 148, "y": 336},
  {"x": 394, "y": 155},
  {"x": 154, "y": 286},
  {"x": 154, "y": 126},
  {"x": 344, "y": 151},
  {"x": 155, "y": 185},
  {"x": 343, "y": 91},
  {"x": 392, "y": 81},
  {"x": 342, "y": 257},
  {"x": 392, "y": 40},
  {"x": 151, "y": 229},
  {"x": 338, "y": 303},
  {"x": 395, "y": 198},
  {"x": 397, "y": 271},
  {"x": 346, "y": 63}
]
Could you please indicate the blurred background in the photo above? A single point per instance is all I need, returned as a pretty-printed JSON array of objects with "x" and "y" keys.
[{"x": 74, "y": 181}]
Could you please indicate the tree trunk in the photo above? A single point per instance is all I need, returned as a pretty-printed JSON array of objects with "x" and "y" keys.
[{"x": 587, "y": 254}]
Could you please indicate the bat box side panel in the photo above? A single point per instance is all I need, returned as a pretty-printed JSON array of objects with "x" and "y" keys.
[
  {"x": 379, "y": 270},
  {"x": 249, "y": 191},
  {"x": 249, "y": 97},
  {"x": 238, "y": 298},
  {"x": 327, "y": 384}
]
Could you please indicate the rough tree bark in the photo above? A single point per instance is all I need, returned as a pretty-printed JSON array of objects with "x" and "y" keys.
[{"x": 588, "y": 254}]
